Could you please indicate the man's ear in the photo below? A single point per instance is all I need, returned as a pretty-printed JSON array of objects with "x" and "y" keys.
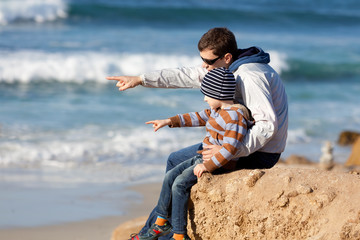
[{"x": 228, "y": 58}]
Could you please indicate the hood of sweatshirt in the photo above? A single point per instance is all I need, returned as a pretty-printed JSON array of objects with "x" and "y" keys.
[{"x": 250, "y": 55}]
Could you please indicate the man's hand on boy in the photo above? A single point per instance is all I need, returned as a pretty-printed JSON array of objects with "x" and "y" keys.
[
  {"x": 209, "y": 151},
  {"x": 126, "y": 82},
  {"x": 157, "y": 124},
  {"x": 200, "y": 169}
]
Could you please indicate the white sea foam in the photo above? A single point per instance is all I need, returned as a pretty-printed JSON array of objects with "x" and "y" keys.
[
  {"x": 31, "y": 10},
  {"x": 105, "y": 154},
  {"x": 296, "y": 136},
  {"x": 112, "y": 154},
  {"x": 28, "y": 66},
  {"x": 278, "y": 61}
]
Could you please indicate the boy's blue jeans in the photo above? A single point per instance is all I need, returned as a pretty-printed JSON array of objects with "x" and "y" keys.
[
  {"x": 174, "y": 159},
  {"x": 253, "y": 161},
  {"x": 175, "y": 193}
]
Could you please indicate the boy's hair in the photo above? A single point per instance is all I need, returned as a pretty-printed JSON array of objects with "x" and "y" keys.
[{"x": 220, "y": 41}]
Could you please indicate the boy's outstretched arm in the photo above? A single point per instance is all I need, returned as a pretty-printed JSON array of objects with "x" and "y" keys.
[{"x": 157, "y": 124}]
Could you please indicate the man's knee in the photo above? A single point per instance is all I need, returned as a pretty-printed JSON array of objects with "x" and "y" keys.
[
  {"x": 175, "y": 158},
  {"x": 171, "y": 161}
]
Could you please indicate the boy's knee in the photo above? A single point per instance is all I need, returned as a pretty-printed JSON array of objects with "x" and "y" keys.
[
  {"x": 168, "y": 177},
  {"x": 175, "y": 158},
  {"x": 181, "y": 185},
  {"x": 177, "y": 189}
]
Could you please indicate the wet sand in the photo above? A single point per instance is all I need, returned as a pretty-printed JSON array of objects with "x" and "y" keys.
[{"x": 96, "y": 229}]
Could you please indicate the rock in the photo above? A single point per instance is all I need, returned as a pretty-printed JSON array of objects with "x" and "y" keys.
[
  {"x": 304, "y": 189},
  {"x": 348, "y": 137},
  {"x": 124, "y": 230},
  {"x": 351, "y": 230},
  {"x": 297, "y": 159},
  {"x": 253, "y": 177},
  {"x": 354, "y": 159},
  {"x": 277, "y": 203}
]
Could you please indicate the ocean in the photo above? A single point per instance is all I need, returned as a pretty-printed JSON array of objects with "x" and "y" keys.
[{"x": 68, "y": 135}]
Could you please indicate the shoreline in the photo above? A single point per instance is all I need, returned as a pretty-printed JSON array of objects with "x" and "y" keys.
[{"x": 93, "y": 229}]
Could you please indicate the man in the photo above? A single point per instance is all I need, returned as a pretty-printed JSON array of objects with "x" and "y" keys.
[{"x": 259, "y": 88}]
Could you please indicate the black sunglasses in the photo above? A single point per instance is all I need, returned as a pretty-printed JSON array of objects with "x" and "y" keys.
[{"x": 211, "y": 61}]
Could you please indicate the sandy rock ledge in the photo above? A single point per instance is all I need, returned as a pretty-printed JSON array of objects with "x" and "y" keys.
[{"x": 278, "y": 203}]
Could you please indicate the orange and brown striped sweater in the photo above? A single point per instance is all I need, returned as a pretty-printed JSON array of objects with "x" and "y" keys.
[{"x": 225, "y": 127}]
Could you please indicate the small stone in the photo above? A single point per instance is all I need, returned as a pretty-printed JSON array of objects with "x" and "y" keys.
[
  {"x": 253, "y": 177},
  {"x": 283, "y": 201},
  {"x": 293, "y": 194},
  {"x": 304, "y": 189}
]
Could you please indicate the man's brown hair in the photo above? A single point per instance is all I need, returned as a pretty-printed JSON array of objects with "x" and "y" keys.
[{"x": 220, "y": 41}]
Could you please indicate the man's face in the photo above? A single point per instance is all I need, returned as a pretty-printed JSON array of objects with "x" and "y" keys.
[{"x": 207, "y": 54}]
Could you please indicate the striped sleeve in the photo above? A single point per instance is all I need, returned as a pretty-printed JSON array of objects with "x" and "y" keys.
[
  {"x": 192, "y": 119},
  {"x": 234, "y": 130}
]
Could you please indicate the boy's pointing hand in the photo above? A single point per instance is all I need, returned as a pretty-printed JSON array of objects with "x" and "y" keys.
[{"x": 157, "y": 124}]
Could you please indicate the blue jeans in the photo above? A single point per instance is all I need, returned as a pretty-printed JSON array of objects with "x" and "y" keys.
[
  {"x": 174, "y": 159},
  {"x": 253, "y": 161},
  {"x": 175, "y": 193}
]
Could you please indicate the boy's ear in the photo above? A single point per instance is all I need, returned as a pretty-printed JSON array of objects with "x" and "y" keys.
[{"x": 228, "y": 58}]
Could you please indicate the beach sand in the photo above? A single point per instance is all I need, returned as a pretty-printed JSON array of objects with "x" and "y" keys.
[{"x": 96, "y": 229}]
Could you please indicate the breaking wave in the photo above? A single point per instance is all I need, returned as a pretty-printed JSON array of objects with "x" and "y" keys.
[
  {"x": 32, "y": 10},
  {"x": 79, "y": 67}
]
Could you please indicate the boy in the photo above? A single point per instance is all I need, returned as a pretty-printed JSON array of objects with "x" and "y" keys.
[{"x": 226, "y": 124}]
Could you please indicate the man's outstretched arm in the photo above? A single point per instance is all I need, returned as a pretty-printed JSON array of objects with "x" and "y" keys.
[{"x": 186, "y": 77}]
